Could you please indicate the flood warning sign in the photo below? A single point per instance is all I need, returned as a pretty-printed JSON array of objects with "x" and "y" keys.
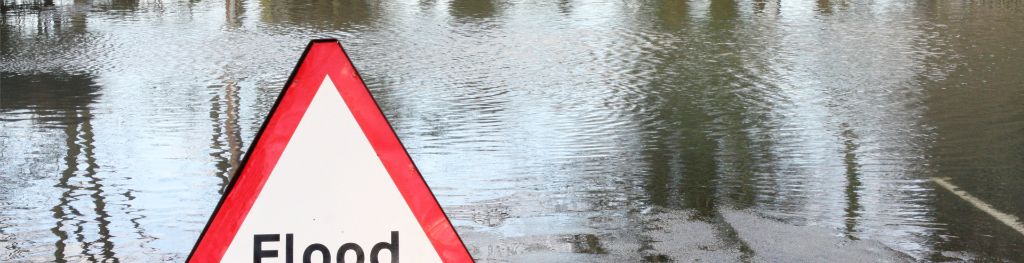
[{"x": 327, "y": 180}]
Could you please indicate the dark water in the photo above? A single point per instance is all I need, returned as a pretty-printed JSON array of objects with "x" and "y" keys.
[{"x": 616, "y": 131}]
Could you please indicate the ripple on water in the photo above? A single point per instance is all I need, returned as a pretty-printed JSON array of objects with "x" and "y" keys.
[{"x": 594, "y": 131}]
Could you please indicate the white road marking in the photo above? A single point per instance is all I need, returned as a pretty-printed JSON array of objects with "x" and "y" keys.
[{"x": 1008, "y": 219}]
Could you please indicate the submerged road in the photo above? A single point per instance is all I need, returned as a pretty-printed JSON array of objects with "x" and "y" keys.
[{"x": 1008, "y": 219}]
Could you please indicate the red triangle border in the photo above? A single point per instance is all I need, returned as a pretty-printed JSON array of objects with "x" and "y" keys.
[{"x": 324, "y": 57}]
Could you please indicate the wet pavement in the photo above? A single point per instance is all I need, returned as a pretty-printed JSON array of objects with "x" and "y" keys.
[{"x": 594, "y": 131}]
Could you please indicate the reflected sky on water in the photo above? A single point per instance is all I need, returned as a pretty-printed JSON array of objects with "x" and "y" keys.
[{"x": 555, "y": 130}]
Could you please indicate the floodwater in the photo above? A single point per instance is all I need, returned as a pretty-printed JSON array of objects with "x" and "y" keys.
[{"x": 593, "y": 131}]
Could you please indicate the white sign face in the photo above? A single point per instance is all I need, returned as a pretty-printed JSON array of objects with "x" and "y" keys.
[
  {"x": 332, "y": 168},
  {"x": 327, "y": 180}
]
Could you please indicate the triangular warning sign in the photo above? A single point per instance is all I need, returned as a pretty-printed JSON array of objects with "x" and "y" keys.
[{"x": 327, "y": 180}]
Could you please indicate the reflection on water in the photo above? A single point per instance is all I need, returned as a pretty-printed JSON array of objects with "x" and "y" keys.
[
  {"x": 226, "y": 144},
  {"x": 60, "y": 103},
  {"x": 333, "y": 13},
  {"x": 667, "y": 130}
]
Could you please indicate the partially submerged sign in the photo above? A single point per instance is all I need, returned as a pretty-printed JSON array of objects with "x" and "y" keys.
[{"x": 327, "y": 180}]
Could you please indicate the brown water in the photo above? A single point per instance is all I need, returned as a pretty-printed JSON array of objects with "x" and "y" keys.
[{"x": 615, "y": 131}]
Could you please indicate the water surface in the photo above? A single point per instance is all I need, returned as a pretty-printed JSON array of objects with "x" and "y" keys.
[{"x": 614, "y": 131}]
